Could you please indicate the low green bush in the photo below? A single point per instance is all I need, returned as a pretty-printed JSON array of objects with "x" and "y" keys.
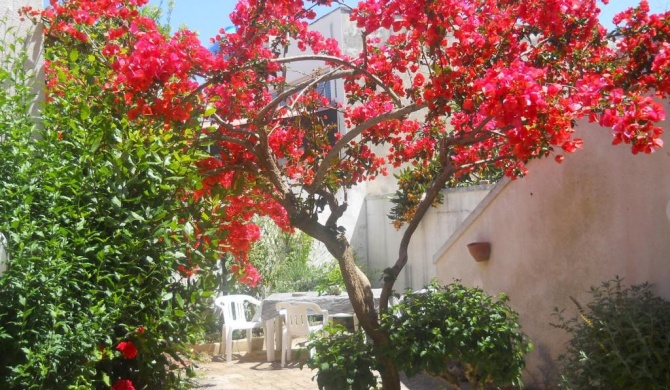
[
  {"x": 620, "y": 340},
  {"x": 344, "y": 361},
  {"x": 453, "y": 332},
  {"x": 459, "y": 334}
]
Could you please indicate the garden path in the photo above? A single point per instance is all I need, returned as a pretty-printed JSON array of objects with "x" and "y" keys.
[{"x": 251, "y": 371}]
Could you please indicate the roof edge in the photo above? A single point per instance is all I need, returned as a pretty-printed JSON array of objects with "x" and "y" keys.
[{"x": 340, "y": 8}]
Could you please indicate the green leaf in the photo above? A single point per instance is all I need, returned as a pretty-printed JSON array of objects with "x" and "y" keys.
[
  {"x": 105, "y": 379},
  {"x": 210, "y": 110},
  {"x": 74, "y": 54}
]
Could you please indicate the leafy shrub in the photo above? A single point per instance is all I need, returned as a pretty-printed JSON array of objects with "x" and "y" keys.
[
  {"x": 93, "y": 209},
  {"x": 331, "y": 281},
  {"x": 453, "y": 332},
  {"x": 620, "y": 340},
  {"x": 282, "y": 258},
  {"x": 344, "y": 361},
  {"x": 457, "y": 333}
]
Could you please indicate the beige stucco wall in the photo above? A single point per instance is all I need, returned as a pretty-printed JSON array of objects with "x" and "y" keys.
[{"x": 564, "y": 228}]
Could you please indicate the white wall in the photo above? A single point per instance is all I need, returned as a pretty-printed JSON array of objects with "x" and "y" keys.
[
  {"x": 565, "y": 228},
  {"x": 438, "y": 224},
  {"x": 330, "y": 25},
  {"x": 9, "y": 19}
]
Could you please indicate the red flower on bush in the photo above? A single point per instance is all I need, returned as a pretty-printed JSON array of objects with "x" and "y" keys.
[
  {"x": 128, "y": 349},
  {"x": 186, "y": 272},
  {"x": 102, "y": 349},
  {"x": 123, "y": 384}
]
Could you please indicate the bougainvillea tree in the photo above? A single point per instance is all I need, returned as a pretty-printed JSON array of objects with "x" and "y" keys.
[{"x": 455, "y": 86}]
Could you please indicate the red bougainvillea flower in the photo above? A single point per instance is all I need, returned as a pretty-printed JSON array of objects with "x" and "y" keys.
[
  {"x": 250, "y": 277},
  {"x": 140, "y": 329},
  {"x": 246, "y": 274},
  {"x": 128, "y": 349},
  {"x": 123, "y": 384}
]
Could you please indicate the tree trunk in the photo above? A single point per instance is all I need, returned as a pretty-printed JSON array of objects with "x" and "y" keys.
[
  {"x": 389, "y": 374},
  {"x": 360, "y": 293},
  {"x": 362, "y": 300}
]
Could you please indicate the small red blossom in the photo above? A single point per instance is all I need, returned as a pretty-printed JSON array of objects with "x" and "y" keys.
[
  {"x": 140, "y": 330},
  {"x": 186, "y": 272},
  {"x": 103, "y": 350},
  {"x": 251, "y": 276},
  {"x": 123, "y": 384},
  {"x": 128, "y": 349}
]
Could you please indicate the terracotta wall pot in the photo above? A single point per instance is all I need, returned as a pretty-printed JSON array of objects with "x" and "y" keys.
[{"x": 480, "y": 251}]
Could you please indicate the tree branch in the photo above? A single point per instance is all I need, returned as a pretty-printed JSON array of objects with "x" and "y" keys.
[
  {"x": 346, "y": 64},
  {"x": 300, "y": 87},
  {"x": 391, "y": 274},
  {"x": 355, "y": 132}
]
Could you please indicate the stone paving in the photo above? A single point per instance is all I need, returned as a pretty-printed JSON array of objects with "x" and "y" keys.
[{"x": 252, "y": 372}]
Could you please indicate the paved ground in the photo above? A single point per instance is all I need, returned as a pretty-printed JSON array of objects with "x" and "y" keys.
[{"x": 253, "y": 372}]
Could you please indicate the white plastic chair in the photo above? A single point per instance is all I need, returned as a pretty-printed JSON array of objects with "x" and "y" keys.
[
  {"x": 234, "y": 318},
  {"x": 296, "y": 324}
]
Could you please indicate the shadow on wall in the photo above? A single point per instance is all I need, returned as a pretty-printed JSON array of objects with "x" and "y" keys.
[
  {"x": 32, "y": 45},
  {"x": 545, "y": 375}
]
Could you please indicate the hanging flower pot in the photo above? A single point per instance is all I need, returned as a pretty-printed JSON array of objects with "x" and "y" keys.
[{"x": 480, "y": 251}]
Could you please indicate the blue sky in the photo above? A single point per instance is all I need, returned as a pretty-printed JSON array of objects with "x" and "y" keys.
[{"x": 208, "y": 16}]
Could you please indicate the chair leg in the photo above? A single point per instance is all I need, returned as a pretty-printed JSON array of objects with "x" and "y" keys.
[
  {"x": 223, "y": 340},
  {"x": 289, "y": 350},
  {"x": 284, "y": 343},
  {"x": 229, "y": 346},
  {"x": 249, "y": 340},
  {"x": 224, "y": 343},
  {"x": 269, "y": 335}
]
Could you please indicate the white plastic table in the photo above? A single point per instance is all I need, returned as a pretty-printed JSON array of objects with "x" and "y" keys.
[{"x": 335, "y": 304}]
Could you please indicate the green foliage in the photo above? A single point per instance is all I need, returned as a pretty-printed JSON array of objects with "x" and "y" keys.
[
  {"x": 93, "y": 209},
  {"x": 344, "y": 361},
  {"x": 415, "y": 180},
  {"x": 453, "y": 332},
  {"x": 457, "y": 333},
  {"x": 162, "y": 12},
  {"x": 332, "y": 282},
  {"x": 620, "y": 340},
  {"x": 284, "y": 261}
]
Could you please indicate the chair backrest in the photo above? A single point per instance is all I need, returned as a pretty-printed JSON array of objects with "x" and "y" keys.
[
  {"x": 234, "y": 308},
  {"x": 296, "y": 315}
]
